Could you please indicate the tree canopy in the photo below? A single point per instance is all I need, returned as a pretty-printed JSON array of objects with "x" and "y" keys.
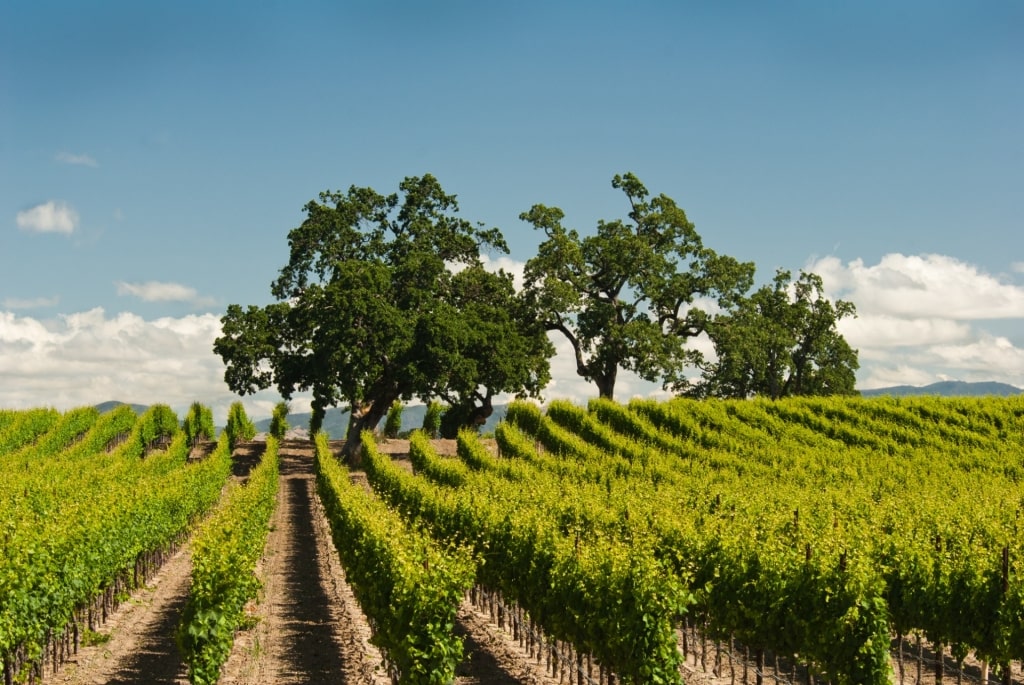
[
  {"x": 627, "y": 296},
  {"x": 386, "y": 298},
  {"x": 781, "y": 341}
]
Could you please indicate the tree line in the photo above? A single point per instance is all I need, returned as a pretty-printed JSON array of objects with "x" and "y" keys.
[{"x": 385, "y": 298}]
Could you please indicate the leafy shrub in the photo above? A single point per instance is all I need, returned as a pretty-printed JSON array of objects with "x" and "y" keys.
[
  {"x": 432, "y": 419},
  {"x": 198, "y": 424},
  {"x": 158, "y": 425},
  {"x": 279, "y": 420},
  {"x": 239, "y": 428},
  {"x": 393, "y": 424}
]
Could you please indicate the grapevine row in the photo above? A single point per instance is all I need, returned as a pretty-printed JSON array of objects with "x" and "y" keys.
[
  {"x": 409, "y": 587},
  {"x": 224, "y": 554},
  {"x": 613, "y": 600},
  {"x": 894, "y": 521},
  {"x": 88, "y": 524}
]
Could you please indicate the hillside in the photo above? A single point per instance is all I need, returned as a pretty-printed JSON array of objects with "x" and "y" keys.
[
  {"x": 336, "y": 421},
  {"x": 948, "y": 389},
  {"x": 110, "y": 405}
]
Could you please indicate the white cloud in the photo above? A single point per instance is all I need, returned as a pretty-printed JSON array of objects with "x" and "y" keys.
[
  {"x": 925, "y": 286},
  {"x": 78, "y": 160},
  {"x": 50, "y": 217},
  {"x": 89, "y": 357},
  {"x": 886, "y": 331},
  {"x": 883, "y": 376},
  {"x": 32, "y": 303},
  {"x": 984, "y": 358},
  {"x": 919, "y": 319},
  {"x": 157, "y": 291},
  {"x": 512, "y": 266},
  {"x": 980, "y": 357},
  {"x": 1018, "y": 267}
]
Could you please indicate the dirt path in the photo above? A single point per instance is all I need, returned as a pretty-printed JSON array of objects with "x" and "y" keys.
[
  {"x": 305, "y": 628},
  {"x": 136, "y": 645},
  {"x": 309, "y": 628},
  {"x": 492, "y": 656},
  {"x": 139, "y": 646}
]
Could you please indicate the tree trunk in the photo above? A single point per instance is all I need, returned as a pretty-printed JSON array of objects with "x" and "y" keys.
[
  {"x": 466, "y": 415},
  {"x": 363, "y": 419},
  {"x": 606, "y": 383},
  {"x": 479, "y": 415}
]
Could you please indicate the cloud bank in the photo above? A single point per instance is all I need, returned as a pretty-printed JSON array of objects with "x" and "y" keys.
[
  {"x": 90, "y": 357},
  {"x": 49, "y": 217},
  {"x": 928, "y": 286},
  {"x": 925, "y": 318}
]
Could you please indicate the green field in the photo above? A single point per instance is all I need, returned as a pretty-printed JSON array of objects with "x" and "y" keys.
[{"x": 819, "y": 531}]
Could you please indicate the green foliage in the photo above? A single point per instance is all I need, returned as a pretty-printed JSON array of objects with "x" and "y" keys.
[
  {"x": 611, "y": 598},
  {"x": 385, "y": 298},
  {"x": 158, "y": 424},
  {"x": 432, "y": 418},
  {"x": 626, "y": 296},
  {"x": 409, "y": 586},
  {"x": 43, "y": 432},
  {"x": 224, "y": 555},
  {"x": 91, "y": 638},
  {"x": 279, "y": 420},
  {"x": 239, "y": 428},
  {"x": 24, "y": 427},
  {"x": 77, "y": 516},
  {"x": 779, "y": 342},
  {"x": 393, "y": 424},
  {"x": 198, "y": 424},
  {"x": 424, "y": 460}
]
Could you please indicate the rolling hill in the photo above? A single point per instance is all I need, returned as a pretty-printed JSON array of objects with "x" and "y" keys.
[
  {"x": 948, "y": 389},
  {"x": 336, "y": 421}
]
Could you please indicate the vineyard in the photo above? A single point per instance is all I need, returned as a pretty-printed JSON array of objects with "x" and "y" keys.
[{"x": 803, "y": 541}]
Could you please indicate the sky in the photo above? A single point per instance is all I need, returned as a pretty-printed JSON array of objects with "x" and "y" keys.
[{"x": 154, "y": 156}]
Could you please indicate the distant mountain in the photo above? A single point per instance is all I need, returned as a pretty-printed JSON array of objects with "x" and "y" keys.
[
  {"x": 948, "y": 389},
  {"x": 104, "y": 407},
  {"x": 336, "y": 421}
]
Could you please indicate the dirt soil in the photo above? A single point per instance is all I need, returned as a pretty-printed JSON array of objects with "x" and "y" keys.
[
  {"x": 138, "y": 644},
  {"x": 306, "y": 626}
]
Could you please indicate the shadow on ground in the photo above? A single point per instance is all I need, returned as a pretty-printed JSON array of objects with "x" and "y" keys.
[{"x": 309, "y": 653}]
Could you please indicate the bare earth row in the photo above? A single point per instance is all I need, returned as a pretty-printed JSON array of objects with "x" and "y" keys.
[{"x": 306, "y": 628}]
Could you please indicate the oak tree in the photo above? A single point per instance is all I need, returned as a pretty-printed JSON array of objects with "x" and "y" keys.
[
  {"x": 781, "y": 341},
  {"x": 627, "y": 297},
  {"x": 385, "y": 298}
]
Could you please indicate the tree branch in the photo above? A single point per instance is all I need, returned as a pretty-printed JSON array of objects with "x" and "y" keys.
[{"x": 559, "y": 325}]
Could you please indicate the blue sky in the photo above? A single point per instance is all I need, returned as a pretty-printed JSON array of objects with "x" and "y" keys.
[{"x": 154, "y": 157}]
